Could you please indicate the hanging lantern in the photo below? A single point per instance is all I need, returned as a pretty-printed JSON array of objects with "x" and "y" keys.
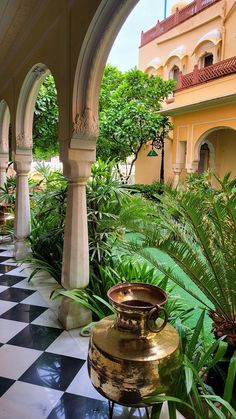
[{"x": 152, "y": 153}]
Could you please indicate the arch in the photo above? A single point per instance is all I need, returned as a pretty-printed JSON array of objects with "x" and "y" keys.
[
  {"x": 155, "y": 62},
  {"x": 26, "y": 105},
  {"x": 4, "y": 127},
  {"x": 179, "y": 52},
  {"x": 213, "y": 36},
  {"x": 104, "y": 27},
  {"x": 203, "y": 139},
  {"x": 151, "y": 71}
]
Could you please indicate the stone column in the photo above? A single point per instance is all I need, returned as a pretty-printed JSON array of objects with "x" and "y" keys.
[
  {"x": 177, "y": 169},
  {"x": 75, "y": 271},
  {"x": 3, "y": 168},
  {"x": 22, "y": 223},
  {"x": 176, "y": 178},
  {"x": 192, "y": 167}
]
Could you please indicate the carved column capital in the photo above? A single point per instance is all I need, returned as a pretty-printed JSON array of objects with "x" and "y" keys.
[
  {"x": 85, "y": 125},
  {"x": 177, "y": 167},
  {"x": 23, "y": 142},
  {"x": 22, "y": 163}
]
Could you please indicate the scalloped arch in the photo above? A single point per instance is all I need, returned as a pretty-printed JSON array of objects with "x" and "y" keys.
[
  {"x": 4, "y": 127},
  {"x": 26, "y": 105}
]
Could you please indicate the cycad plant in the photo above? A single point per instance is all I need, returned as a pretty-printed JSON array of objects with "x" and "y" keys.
[{"x": 195, "y": 234}]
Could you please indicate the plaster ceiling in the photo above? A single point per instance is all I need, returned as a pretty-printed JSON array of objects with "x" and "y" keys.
[{"x": 13, "y": 15}]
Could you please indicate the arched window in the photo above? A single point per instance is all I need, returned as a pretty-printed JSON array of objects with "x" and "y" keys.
[
  {"x": 204, "y": 158},
  {"x": 174, "y": 73}
]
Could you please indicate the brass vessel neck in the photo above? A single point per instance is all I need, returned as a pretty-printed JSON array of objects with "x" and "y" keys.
[{"x": 134, "y": 321}]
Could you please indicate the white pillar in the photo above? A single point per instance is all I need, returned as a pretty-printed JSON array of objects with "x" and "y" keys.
[
  {"x": 22, "y": 222},
  {"x": 3, "y": 168},
  {"x": 75, "y": 270}
]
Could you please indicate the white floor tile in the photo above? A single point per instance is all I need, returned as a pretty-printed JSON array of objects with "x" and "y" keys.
[
  {"x": 6, "y": 305},
  {"x": 24, "y": 284},
  {"x": 19, "y": 271},
  {"x": 16, "y": 360},
  {"x": 82, "y": 386},
  {"x": 81, "y": 342},
  {"x": 3, "y": 288},
  {"x": 9, "y": 261},
  {"x": 35, "y": 299},
  {"x": 48, "y": 318},
  {"x": 9, "y": 328},
  {"x": 8, "y": 250},
  {"x": 65, "y": 345},
  {"x": 28, "y": 401}
]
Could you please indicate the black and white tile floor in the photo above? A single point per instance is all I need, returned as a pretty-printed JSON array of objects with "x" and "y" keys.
[{"x": 43, "y": 372}]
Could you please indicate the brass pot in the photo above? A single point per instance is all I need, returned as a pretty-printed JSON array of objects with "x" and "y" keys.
[{"x": 134, "y": 354}]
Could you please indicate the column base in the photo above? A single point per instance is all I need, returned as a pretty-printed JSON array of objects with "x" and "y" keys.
[
  {"x": 72, "y": 314},
  {"x": 22, "y": 249}
]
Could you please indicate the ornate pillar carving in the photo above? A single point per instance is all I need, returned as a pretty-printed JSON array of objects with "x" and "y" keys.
[
  {"x": 75, "y": 270},
  {"x": 22, "y": 223}
]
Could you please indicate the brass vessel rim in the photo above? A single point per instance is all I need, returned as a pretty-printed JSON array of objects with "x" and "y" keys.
[{"x": 122, "y": 293}]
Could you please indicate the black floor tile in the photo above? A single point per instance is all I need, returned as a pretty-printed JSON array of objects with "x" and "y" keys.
[
  {"x": 15, "y": 294},
  {"x": 4, "y": 258},
  {"x": 6, "y": 268},
  {"x": 23, "y": 313},
  {"x": 71, "y": 406},
  {"x": 53, "y": 370},
  {"x": 10, "y": 280},
  {"x": 36, "y": 337},
  {"x": 5, "y": 384},
  {"x": 3, "y": 250}
]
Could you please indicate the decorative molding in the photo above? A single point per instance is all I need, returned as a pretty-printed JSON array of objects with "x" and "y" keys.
[
  {"x": 38, "y": 71},
  {"x": 86, "y": 123},
  {"x": 23, "y": 141}
]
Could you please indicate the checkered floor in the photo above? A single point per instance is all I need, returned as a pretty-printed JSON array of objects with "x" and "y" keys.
[{"x": 43, "y": 372}]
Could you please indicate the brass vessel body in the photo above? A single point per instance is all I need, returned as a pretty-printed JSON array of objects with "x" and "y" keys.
[{"x": 126, "y": 360}]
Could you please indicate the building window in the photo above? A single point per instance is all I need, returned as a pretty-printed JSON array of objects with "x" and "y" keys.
[
  {"x": 204, "y": 158},
  {"x": 207, "y": 60},
  {"x": 174, "y": 73}
]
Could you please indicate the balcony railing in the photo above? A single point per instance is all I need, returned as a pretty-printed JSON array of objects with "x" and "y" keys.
[
  {"x": 203, "y": 75},
  {"x": 178, "y": 17}
]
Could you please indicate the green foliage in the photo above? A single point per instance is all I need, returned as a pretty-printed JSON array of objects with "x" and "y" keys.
[
  {"x": 151, "y": 191},
  {"x": 193, "y": 396},
  {"x": 47, "y": 219},
  {"x": 45, "y": 126},
  {"x": 129, "y": 112},
  {"x": 105, "y": 198},
  {"x": 197, "y": 230}
]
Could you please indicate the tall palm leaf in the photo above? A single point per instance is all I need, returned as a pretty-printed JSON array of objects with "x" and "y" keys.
[{"x": 197, "y": 230}]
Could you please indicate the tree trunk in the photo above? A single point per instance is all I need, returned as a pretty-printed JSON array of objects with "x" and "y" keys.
[{"x": 162, "y": 164}]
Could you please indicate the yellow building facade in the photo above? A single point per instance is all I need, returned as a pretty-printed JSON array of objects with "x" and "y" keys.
[{"x": 196, "y": 46}]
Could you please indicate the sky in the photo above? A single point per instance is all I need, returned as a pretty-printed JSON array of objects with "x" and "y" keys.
[{"x": 124, "y": 53}]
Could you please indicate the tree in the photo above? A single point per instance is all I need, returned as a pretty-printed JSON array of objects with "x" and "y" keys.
[
  {"x": 129, "y": 113},
  {"x": 45, "y": 127}
]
